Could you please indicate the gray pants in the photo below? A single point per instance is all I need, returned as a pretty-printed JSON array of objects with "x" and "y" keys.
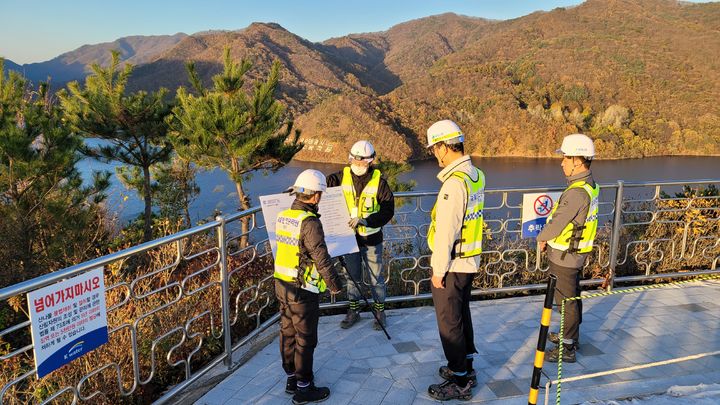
[
  {"x": 568, "y": 285},
  {"x": 371, "y": 256}
]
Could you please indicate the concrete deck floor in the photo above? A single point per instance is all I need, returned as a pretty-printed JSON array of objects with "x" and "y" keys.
[{"x": 362, "y": 367}]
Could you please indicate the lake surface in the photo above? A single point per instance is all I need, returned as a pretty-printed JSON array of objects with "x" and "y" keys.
[{"x": 217, "y": 192}]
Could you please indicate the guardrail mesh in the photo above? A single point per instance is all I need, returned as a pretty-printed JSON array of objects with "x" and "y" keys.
[{"x": 178, "y": 305}]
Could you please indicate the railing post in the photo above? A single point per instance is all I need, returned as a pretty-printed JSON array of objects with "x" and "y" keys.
[
  {"x": 615, "y": 238},
  {"x": 542, "y": 340},
  {"x": 225, "y": 290}
]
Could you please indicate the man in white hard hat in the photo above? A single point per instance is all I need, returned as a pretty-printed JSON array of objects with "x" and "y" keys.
[
  {"x": 371, "y": 204},
  {"x": 568, "y": 237},
  {"x": 455, "y": 239},
  {"x": 303, "y": 270}
]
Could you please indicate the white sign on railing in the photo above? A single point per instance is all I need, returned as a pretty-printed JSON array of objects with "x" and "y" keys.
[
  {"x": 67, "y": 320},
  {"x": 536, "y": 208}
]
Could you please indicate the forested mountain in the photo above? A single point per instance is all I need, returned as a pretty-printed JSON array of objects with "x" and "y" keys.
[{"x": 640, "y": 76}]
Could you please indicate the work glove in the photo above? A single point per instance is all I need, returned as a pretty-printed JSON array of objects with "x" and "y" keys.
[
  {"x": 336, "y": 286},
  {"x": 355, "y": 222}
]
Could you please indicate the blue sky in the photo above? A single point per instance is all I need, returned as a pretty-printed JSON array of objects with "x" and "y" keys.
[{"x": 38, "y": 30}]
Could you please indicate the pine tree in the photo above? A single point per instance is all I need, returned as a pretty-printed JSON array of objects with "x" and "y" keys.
[
  {"x": 132, "y": 126},
  {"x": 49, "y": 218},
  {"x": 173, "y": 189},
  {"x": 176, "y": 189},
  {"x": 392, "y": 171},
  {"x": 226, "y": 127}
]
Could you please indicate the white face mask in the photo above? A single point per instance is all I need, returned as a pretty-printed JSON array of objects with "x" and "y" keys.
[{"x": 358, "y": 170}]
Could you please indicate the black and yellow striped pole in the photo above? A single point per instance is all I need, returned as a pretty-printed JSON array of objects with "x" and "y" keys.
[{"x": 542, "y": 340}]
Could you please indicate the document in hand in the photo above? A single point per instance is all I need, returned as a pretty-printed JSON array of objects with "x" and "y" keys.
[{"x": 339, "y": 237}]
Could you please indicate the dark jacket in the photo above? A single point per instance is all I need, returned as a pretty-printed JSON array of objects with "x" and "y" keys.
[
  {"x": 313, "y": 247},
  {"x": 572, "y": 207},
  {"x": 385, "y": 198}
]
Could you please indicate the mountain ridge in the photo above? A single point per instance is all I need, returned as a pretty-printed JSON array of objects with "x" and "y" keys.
[
  {"x": 74, "y": 65},
  {"x": 636, "y": 75}
]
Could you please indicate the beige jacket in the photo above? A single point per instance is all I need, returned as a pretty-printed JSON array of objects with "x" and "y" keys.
[{"x": 449, "y": 214}]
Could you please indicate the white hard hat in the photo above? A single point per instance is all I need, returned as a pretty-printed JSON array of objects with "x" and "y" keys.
[
  {"x": 444, "y": 131},
  {"x": 309, "y": 181},
  {"x": 362, "y": 150},
  {"x": 577, "y": 145}
]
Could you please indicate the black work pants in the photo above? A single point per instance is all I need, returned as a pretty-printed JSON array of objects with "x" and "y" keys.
[
  {"x": 299, "y": 314},
  {"x": 568, "y": 285},
  {"x": 452, "y": 309}
]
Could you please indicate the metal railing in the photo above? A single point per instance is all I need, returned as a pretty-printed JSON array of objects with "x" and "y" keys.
[{"x": 195, "y": 296}]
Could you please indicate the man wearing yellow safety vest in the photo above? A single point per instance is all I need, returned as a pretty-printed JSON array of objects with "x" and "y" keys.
[
  {"x": 372, "y": 205},
  {"x": 568, "y": 237},
  {"x": 455, "y": 239},
  {"x": 303, "y": 270}
]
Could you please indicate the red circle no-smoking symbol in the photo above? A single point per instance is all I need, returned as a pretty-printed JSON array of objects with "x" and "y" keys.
[{"x": 543, "y": 205}]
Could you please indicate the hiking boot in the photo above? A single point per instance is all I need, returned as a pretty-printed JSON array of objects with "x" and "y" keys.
[
  {"x": 555, "y": 338},
  {"x": 311, "y": 393},
  {"x": 447, "y": 374},
  {"x": 291, "y": 385},
  {"x": 350, "y": 319},
  {"x": 383, "y": 321},
  {"x": 568, "y": 354},
  {"x": 450, "y": 389}
]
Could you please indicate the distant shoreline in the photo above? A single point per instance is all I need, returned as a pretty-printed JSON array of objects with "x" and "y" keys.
[{"x": 410, "y": 161}]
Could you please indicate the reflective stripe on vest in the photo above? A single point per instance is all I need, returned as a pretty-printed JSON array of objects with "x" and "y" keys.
[
  {"x": 366, "y": 204},
  {"x": 470, "y": 242},
  {"x": 287, "y": 257},
  {"x": 567, "y": 240}
]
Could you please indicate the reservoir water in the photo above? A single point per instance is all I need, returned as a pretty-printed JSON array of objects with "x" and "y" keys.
[{"x": 217, "y": 192}]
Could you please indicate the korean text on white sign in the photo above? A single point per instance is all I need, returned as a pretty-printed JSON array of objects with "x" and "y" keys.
[
  {"x": 339, "y": 237},
  {"x": 68, "y": 319},
  {"x": 536, "y": 208}
]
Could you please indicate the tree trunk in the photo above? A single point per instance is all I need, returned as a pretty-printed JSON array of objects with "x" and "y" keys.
[
  {"x": 244, "y": 204},
  {"x": 147, "y": 192},
  {"x": 244, "y": 221}
]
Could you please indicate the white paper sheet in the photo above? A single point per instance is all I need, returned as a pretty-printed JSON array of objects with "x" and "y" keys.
[{"x": 339, "y": 237}]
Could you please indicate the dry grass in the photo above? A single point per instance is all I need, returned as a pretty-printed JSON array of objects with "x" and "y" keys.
[{"x": 188, "y": 327}]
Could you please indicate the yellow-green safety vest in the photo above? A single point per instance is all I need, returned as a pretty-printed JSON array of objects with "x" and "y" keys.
[
  {"x": 567, "y": 238},
  {"x": 364, "y": 205},
  {"x": 287, "y": 257},
  {"x": 470, "y": 242}
]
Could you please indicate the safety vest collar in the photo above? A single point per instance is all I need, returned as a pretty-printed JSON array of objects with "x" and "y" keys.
[
  {"x": 371, "y": 187},
  {"x": 298, "y": 205},
  {"x": 460, "y": 164},
  {"x": 584, "y": 176}
]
